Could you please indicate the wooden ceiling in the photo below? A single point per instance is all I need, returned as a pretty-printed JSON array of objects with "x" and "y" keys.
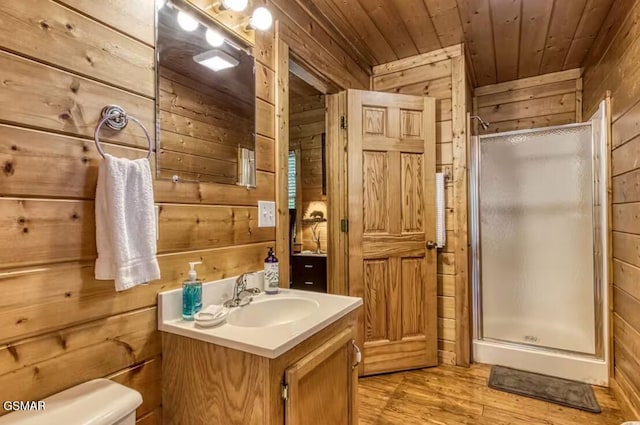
[{"x": 506, "y": 39}]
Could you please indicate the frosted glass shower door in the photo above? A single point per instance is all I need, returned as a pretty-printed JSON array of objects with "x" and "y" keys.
[{"x": 536, "y": 238}]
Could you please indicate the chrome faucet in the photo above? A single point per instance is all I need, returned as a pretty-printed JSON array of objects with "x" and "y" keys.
[{"x": 241, "y": 295}]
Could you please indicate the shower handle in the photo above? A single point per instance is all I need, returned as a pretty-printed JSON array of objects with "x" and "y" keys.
[{"x": 431, "y": 244}]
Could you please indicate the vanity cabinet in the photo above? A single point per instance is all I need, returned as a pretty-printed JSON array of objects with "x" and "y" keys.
[
  {"x": 314, "y": 383},
  {"x": 320, "y": 387}
]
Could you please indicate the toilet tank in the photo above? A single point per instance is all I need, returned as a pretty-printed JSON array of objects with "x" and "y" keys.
[{"x": 97, "y": 402}]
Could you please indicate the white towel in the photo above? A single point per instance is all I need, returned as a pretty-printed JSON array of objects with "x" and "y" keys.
[
  {"x": 125, "y": 223},
  {"x": 441, "y": 233}
]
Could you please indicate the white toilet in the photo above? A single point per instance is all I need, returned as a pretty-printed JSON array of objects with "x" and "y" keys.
[{"x": 97, "y": 402}]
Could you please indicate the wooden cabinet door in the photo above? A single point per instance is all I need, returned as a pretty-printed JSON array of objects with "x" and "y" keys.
[
  {"x": 322, "y": 387},
  {"x": 392, "y": 226}
]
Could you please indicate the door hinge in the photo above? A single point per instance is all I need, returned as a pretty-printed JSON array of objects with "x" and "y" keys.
[
  {"x": 285, "y": 392},
  {"x": 344, "y": 225},
  {"x": 343, "y": 122}
]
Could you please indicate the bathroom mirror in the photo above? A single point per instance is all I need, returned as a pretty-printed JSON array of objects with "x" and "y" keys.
[{"x": 205, "y": 100}]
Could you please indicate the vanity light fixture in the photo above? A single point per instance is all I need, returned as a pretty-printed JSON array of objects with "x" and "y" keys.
[
  {"x": 235, "y": 5},
  {"x": 214, "y": 38},
  {"x": 216, "y": 60},
  {"x": 261, "y": 19},
  {"x": 187, "y": 22}
]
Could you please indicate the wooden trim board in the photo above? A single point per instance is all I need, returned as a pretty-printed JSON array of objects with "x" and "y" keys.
[
  {"x": 414, "y": 61},
  {"x": 539, "y": 80},
  {"x": 337, "y": 195},
  {"x": 282, "y": 155},
  {"x": 460, "y": 194},
  {"x": 609, "y": 235}
]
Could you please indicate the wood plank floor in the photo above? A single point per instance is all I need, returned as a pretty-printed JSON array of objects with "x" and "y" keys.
[{"x": 448, "y": 395}]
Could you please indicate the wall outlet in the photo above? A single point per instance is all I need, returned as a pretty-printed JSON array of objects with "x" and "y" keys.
[{"x": 266, "y": 214}]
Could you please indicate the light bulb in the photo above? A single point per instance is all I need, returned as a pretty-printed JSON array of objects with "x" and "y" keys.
[
  {"x": 235, "y": 5},
  {"x": 214, "y": 38},
  {"x": 187, "y": 22},
  {"x": 261, "y": 19}
]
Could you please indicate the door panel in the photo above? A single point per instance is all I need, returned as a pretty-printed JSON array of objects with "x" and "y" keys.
[
  {"x": 376, "y": 274},
  {"x": 412, "y": 193},
  {"x": 391, "y": 175},
  {"x": 376, "y": 187},
  {"x": 412, "y": 297}
]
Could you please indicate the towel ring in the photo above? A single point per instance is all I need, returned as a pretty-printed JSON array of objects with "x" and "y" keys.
[{"x": 116, "y": 119}]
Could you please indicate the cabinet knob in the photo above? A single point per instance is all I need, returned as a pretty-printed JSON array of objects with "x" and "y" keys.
[{"x": 431, "y": 245}]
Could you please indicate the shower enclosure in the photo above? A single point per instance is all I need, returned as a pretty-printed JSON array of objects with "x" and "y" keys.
[{"x": 539, "y": 275}]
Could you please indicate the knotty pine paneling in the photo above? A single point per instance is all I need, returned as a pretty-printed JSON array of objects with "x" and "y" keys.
[
  {"x": 505, "y": 40},
  {"x": 56, "y": 296},
  {"x": 612, "y": 65},
  {"x": 39, "y": 96},
  {"x": 120, "y": 346},
  {"x": 77, "y": 43},
  {"x": 542, "y": 101},
  {"x": 146, "y": 379},
  {"x": 315, "y": 45},
  {"x": 431, "y": 75},
  {"x": 28, "y": 156},
  {"x": 60, "y": 63},
  {"x": 130, "y": 18}
]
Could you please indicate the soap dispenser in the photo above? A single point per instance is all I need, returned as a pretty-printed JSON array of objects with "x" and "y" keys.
[
  {"x": 191, "y": 293},
  {"x": 271, "y": 273}
]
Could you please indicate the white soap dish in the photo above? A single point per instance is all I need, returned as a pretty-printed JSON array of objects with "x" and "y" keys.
[{"x": 205, "y": 319}]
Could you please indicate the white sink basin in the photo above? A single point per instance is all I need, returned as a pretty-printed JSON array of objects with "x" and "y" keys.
[
  {"x": 272, "y": 312},
  {"x": 268, "y": 327}
]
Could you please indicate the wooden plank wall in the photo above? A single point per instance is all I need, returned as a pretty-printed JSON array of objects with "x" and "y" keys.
[
  {"x": 306, "y": 125},
  {"x": 60, "y": 63},
  {"x": 612, "y": 65},
  {"x": 541, "y": 101},
  {"x": 430, "y": 74},
  {"x": 317, "y": 45}
]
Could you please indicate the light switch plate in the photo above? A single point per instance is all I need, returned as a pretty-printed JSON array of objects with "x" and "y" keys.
[{"x": 266, "y": 214}]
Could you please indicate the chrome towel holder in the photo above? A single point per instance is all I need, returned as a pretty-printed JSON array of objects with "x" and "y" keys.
[{"x": 116, "y": 119}]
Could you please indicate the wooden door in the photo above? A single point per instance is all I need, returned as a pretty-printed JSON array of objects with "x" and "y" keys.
[
  {"x": 327, "y": 373},
  {"x": 392, "y": 258}
]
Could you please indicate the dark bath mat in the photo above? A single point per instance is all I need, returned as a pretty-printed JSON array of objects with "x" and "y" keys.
[{"x": 546, "y": 388}]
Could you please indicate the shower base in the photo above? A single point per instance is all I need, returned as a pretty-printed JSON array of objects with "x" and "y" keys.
[{"x": 577, "y": 367}]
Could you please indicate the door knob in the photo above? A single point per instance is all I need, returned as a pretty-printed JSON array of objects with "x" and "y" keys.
[{"x": 431, "y": 244}]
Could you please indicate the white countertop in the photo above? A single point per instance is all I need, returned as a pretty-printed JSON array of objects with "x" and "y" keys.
[{"x": 271, "y": 341}]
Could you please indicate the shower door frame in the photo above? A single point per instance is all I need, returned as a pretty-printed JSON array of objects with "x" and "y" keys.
[{"x": 600, "y": 276}]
